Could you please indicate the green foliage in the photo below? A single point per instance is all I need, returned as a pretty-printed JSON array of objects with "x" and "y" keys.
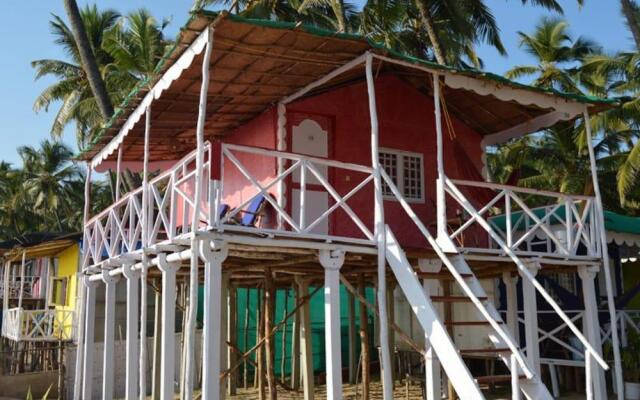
[
  {"x": 46, "y": 193},
  {"x": 631, "y": 357},
  {"x": 127, "y": 49},
  {"x": 557, "y": 159}
]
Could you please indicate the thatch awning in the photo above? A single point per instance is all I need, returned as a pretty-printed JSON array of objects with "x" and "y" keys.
[{"x": 256, "y": 63}]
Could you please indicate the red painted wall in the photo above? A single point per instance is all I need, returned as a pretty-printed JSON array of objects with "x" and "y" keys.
[{"x": 406, "y": 120}]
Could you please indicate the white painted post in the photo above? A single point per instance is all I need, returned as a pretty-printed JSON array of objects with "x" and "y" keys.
[
  {"x": 21, "y": 293},
  {"x": 441, "y": 212},
  {"x": 144, "y": 221},
  {"x": 530, "y": 308},
  {"x": 193, "y": 272},
  {"x": 213, "y": 259},
  {"x": 432, "y": 368},
  {"x": 281, "y": 145},
  {"x": 592, "y": 324},
  {"x": 167, "y": 329},
  {"x": 82, "y": 315},
  {"x": 133, "y": 341},
  {"x": 511, "y": 289},
  {"x": 224, "y": 292},
  {"x": 306, "y": 335},
  {"x": 387, "y": 383},
  {"x": 599, "y": 208},
  {"x": 109, "y": 333},
  {"x": 89, "y": 336},
  {"x": 118, "y": 172},
  {"x": 515, "y": 383},
  {"x": 332, "y": 261}
]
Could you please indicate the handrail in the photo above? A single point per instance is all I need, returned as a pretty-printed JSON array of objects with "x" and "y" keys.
[
  {"x": 572, "y": 214},
  {"x": 462, "y": 200},
  {"x": 540, "y": 192},
  {"x": 459, "y": 279}
]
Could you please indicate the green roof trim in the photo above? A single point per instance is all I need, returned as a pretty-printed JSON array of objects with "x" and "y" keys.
[
  {"x": 621, "y": 223},
  {"x": 314, "y": 30}
]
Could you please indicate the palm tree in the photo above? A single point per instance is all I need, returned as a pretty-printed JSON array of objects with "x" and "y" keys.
[
  {"x": 46, "y": 175},
  {"x": 631, "y": 12},
  {"x": 72, "y": 88},
  {"x": 89, "y": 59},
  {"x": 557, "y": 54},
  {"x": 136, "y": 44}
]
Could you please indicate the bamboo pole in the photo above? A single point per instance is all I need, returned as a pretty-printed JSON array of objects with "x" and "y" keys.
[
  {"x": 246, "y": 337},
  {"x": 364, "y": 340},
  {"x": 269, "y": 296}
]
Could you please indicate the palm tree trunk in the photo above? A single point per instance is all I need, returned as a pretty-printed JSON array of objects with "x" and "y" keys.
[
  {"x": 425, "y": 17},
  {"x": 89, "y": 63},
  {"x": 338, "y": 10},
  {"x": 629, "y": 10}
]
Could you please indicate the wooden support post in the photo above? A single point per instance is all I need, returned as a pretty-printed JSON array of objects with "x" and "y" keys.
[
  {"x": 353, "y": 360},
  {"x": 433, "y": 370},
  {"x": 232, "y": 326},
  {"x": 109, "y": 334},
  {"x": 530, "y": 308},
  {"x": 213, "y": 259},
  {"x": 511, "y": 285},
  {"x": 260, "y": 352},
  {"x": 247, "y": 308},
  {"x": 611, "y": 305},
  {"x": 306, "y": 341},
  {"x": 133, "y": 341},
  {"x": 392, "y": 336},
  {"x": 592, "y": 325},
  {"x": 224, "y": 336},
  {"x": 283, "y": 337},
  {"x": 269, "y": 306},
  {"x": 295, "y": 343},
  {"x": 332, "y": 261},
  {"x": 157, "y": 343},
  {"x": 387, "y": 384},
  {"x": 364, "y": 341},
  {"x": 168, "y": 355},
  {"x": 89, "y": 338}
]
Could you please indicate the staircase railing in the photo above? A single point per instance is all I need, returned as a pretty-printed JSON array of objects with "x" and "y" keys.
[
  {"x": 516, "y": 357},
  {"x": 590, "y": 352}
]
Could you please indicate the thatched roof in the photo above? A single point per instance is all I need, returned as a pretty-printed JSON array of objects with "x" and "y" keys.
[{"x": 256, "y": 63}]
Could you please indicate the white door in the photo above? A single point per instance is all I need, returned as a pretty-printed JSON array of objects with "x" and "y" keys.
[{"x": 309, "y": 138}]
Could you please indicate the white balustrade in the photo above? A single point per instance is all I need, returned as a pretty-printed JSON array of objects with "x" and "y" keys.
[
  {"x": 564, "y": 227},
  {"x": 38, "y": 325}
]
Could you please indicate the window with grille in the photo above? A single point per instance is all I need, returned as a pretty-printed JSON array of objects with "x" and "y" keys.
[{"x": 406, "y": 170}]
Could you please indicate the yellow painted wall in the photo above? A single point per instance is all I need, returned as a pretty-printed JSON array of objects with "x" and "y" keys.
[{"x": 68, "y": 260}]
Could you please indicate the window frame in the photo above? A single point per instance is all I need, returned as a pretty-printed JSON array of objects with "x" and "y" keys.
[
  {"x": 64, "y": 282},
  {"x": 400, "y": 171}
]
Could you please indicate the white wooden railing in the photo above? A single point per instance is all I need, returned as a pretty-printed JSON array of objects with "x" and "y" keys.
[
  {"x": 566, "y": 227},
  {"x": 38, "y": 325},
  {"x": 306, "y": 171},
  {"x": 118, "y": 230}
]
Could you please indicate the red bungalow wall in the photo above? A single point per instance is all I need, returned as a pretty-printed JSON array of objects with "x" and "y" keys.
[{"x": 407, "y": 123}]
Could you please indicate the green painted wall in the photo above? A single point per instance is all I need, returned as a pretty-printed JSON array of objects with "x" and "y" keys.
[{"x": 317, "y": 324}]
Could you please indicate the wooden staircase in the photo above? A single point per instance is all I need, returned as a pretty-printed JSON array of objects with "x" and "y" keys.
[{"x": 489, "y": 323}]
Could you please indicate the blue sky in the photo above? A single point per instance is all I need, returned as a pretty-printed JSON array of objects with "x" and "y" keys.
[{"x": 24, "y": 25}]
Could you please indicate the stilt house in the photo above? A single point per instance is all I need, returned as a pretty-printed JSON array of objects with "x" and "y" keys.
[{"x": 278, "y": 156}]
